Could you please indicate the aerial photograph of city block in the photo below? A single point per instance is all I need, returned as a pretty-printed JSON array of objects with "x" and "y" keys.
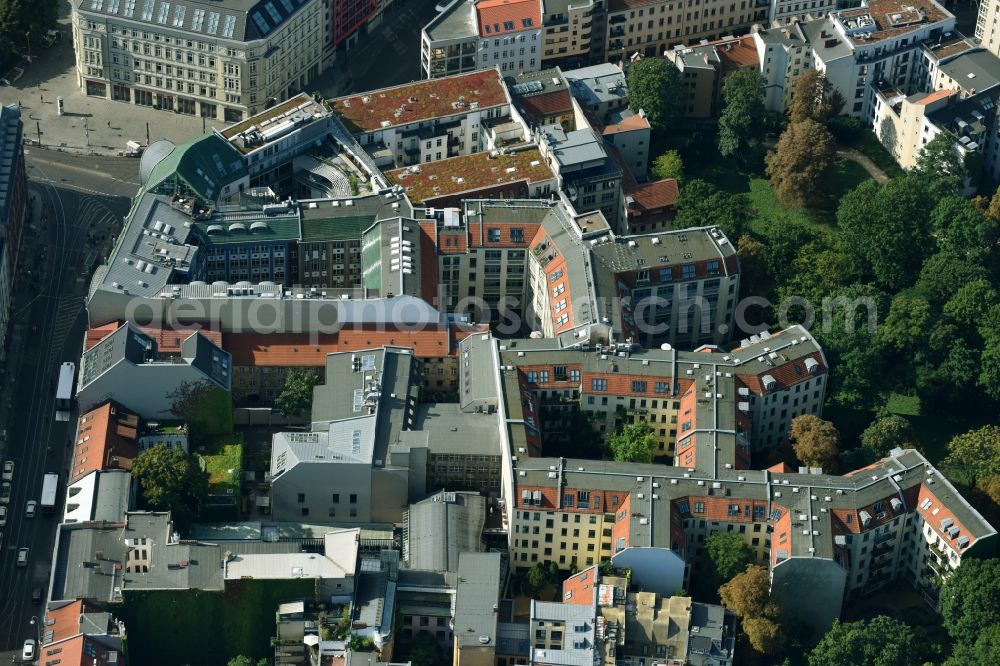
[{"x": 500, "y": 332}]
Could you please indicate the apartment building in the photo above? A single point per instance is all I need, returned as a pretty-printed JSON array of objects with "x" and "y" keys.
[
  {"x": 671, "y": 629},
  {"x": 784, "y": 12},
  {"x": 810, "y": 528},
  {"x": 509, "y": 173},
  {"x": 261, "y": 362},
  {"x": 589, "y": 178},
  {"x": 987, "y": 28},
  {"x": 574, "y": 32},
  {"x": 131, "y": 368},
  {"x": 705, "y": 67},
  {"x": 428, "y": 121},
  {"x": 784, "y": 52},
  {"x": 222, "y": 60},
  {"x": 477, "y": 34},
  {"x": 481, "y": 578},
  {"x": 78, "y": 633},
  {"x": 13, "y": 201},
  {"x": 542, "y": 98}
]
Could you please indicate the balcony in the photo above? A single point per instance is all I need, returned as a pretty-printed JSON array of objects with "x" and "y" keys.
[{"x": 617, "y": 31}]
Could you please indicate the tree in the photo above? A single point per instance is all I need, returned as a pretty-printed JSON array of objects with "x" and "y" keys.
[
  {"x": 297, "y": 396},
  {"x": 816, "y": 442},
  {"x": 976, "y": 452},
  {"x": 964, "y": 229},
  {"x": 171, "y": 480},
  {"x": 655, "y": 86},
  {"x": 940, "y": 167},
  {"x": 799, "y": 166},
  {"x": 984, "y": 652},
  {"x": 539, "y": 577},
  {"x": 814, "y": 99},
  {"x": 990, "y": 486},
  {"x": 887, "y": 433},
  {"x": 739, "y": 122},
  {"x": 966, "y": 307},
  {"x": 970, "y": 599},
  {"x": 880, "y": 641},
  {"x": 753, "y": 264},
  {"x": 729, "y": 554},
  {"x": 819, "y": 268},
  {"x": 764, "y": 634},
  {"x": 701, "y": 203},
  {"x": 944, "y": 273},
  {"x": 668, "y": 165},
  {"x": 634, "y": 442},
  {"x": 749, "y": 594},
  {"x": 886, "y": 227},
  {"x": 907, "y": 322},
  {"x": 425, "y": 651},
  {"x": 206, "y": 408},
  {"x": 243, "y": 660}
]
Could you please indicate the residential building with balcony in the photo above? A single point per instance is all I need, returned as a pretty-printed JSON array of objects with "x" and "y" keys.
[
  {"x": 704, "y": 68},
  {"x": 784, "y": 12},
  {"x": 651, "y": 27},
  {"x": 222, "y": 60},
  {"x": 479, "y": 34},
  {"x": 574, "y": 32}
]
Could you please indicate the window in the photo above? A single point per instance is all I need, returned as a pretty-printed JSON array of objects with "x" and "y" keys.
[
  {"x": 494, "y": 235},
  {"x": 699, "y": 507},
  {"x": 638, "y": 386},
  {"x": 688, "y": 271},
  {"x": 354, "y": 498},
  {"x": 713, "y": 267},
  {"x": 574, "y": 375},
  {"x": 660, "y": 387},
  {"x": 517, "y": 235},
  {"x": 301, "y": 498},
  {"x": 164, "y": 10},
  {"x": 335, "y": 498},
  {"x": 666, "y": 274},
  {"x": 559, "y": 288},
  {"x": 556, "y": 275},
  {"x": 598, "y": 384}
]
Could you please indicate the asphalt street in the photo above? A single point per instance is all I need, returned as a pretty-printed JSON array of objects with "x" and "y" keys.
[{"x": 71, "y": 222}]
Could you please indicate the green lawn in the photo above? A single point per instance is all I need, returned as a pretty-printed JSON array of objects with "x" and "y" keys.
[
  {"x": 170, "y": 628},
  {"x": 214, "y": 417},
  {"x": 218, "y": 465}
]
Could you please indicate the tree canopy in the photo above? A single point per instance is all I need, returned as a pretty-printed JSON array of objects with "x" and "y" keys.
[
  {"x": 886, "y": 228},
  {"x": 880, "y": 641},
  {"x": 171, "y": 480},
  {"x": 939, "y": 166},
  {"x": 976, "y": 452},
  {"x": 886, "y": 433},
  {"x": 701, "y": 203},
  {"x": 739, "y": 122},
  {"x": 297, "y": 395},
  {"x": 970, "y": 599},
  {"x": 425, "y": 651},
  {"x": 816, "y": 442},
  {"x": 748, "y": 594},
  {"x": 633, "y": 442},
  {"x": 798, "y": 168},
  {"x": 668, "y": 165},
  {"x": 243, "y": 660},
  {"x": 655, "y": 86},
  {"x": 984, "y": 652},
  {"x": 728, "y": 553},
  {"x": 813, "y": 98}
]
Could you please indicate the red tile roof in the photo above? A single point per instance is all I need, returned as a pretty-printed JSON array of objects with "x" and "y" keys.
[
  {"x": 423, "y": 100},
  {"x": 737, "y": 53},
  {"x": 787, "y": 374},
  {"x": 934, "y": 511},
  {"x": 493, "y": 14},
  {"x": 105, "y": 439},
  {"x": 935, "y": 96},
  {"x": 580, "y": 589},
  {"x": 656, "y": 194},
  {"x": 168, "y": 340},
  {"x": 633, "y": 122},
  {"x": 298, "y": 350},
  {"x": 546, "y": 105}
]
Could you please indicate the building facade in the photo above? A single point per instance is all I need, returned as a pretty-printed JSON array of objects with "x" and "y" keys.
[{"x": 223, "y": 60}]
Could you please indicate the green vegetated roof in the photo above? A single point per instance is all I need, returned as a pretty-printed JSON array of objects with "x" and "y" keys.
[
  {"x": 335, "y": 228},
  {"x": 206, "y": 164}
]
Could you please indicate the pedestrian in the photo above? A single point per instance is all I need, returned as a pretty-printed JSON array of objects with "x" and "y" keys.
[
  {"x": 109, "y": 124},
  {"x": 19, "y": 104},
  {"x": 41, "y": 98}
]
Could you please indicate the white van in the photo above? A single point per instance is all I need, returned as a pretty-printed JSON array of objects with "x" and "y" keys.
[{"x": 22, "y": 557}]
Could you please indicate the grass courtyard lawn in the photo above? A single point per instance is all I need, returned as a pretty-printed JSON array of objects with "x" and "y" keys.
[
  {"x": 167, "y": 628},
  {"x": 227, "y": 457}
]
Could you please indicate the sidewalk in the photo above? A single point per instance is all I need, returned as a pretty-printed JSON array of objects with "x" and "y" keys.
[{"x": 90, "y": 125}]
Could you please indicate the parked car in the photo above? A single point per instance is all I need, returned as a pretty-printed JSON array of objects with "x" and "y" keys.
[
  {"x": 5, "y": 493},
  {"x": 8, "y": 470},
  {"x": 28, "y": 651},
  {"x": 22, "y": 557},
  {"x": 29, "y": 508},
  {"x": 3, "y": 516}
]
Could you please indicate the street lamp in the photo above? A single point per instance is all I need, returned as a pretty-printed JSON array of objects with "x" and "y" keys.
[{"x": 38, "y": 634}]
